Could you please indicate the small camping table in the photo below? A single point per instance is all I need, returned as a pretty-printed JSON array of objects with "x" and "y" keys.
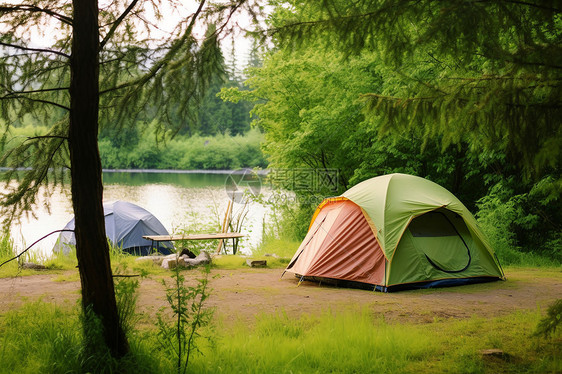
[{"x": 168, "y": 238}]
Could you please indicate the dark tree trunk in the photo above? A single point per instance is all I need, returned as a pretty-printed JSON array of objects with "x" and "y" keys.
[{"x": 92, "y": 251}]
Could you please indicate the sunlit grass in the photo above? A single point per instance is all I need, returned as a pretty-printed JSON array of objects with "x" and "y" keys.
[
  {"x": 351, "y": 342},
  {"x": 358, "y": 342},
  {"x": 42, "y": 337},
  {"x": 281, "y": 247},
  {"x": 231, "y": 262}
]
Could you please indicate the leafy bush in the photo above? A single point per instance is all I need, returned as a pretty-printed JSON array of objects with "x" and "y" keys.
[
  {"x": 220, "y": 152},
  {"x": 520, "y": 226}
]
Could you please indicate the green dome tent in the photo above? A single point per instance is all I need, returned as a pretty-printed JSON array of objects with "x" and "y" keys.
[{"x": 393, "y": 232}]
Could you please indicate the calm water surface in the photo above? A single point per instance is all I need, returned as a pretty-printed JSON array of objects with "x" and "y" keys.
[{"x": 179, "y": 200}]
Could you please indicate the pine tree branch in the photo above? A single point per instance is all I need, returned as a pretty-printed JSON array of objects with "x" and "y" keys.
[
  {"x": 117, "y": 22},
  {"x": 35, "y": 9},
  {"x": 231, "y": 13},
  {"x": 10, "y": 97},
  {"x": 404, "y": 101},
  {"x": 551, "y": 9},
  {"x": 547, "y": 65},
  {"x": 164, "y": 61},
  {"x": 336, "y": 20},
  {"x": 42, "y": 50},
  {"x": 401, "y": 99},
  {"x": 12, "y": 93},
  {"x": 47, "y": 137}
]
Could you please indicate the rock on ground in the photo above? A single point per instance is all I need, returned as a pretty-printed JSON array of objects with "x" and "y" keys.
[{"x": 171, "y": 261}]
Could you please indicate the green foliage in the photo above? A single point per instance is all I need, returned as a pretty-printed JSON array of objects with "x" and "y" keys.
[
  {"x": 550, "y": 323},
  {"x": 465, "y": 94},
  {"x": 183, "y": 152},
  {"x": 488, "y": 71},
  {"x": 220, "y": 117},
  {"x": 519, "y": 225},
  {"x": 178, "y": 331},
  {"x": 6, "y": 247},
  {"x": 306, "y": 99},
  {"x": 126, "y": 297}
]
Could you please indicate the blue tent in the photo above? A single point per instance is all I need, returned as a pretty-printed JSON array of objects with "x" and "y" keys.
[{"x": 125, "y": 225}]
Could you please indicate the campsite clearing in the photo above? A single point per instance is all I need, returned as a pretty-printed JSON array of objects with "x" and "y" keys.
[{"x": 246, "y": 293}]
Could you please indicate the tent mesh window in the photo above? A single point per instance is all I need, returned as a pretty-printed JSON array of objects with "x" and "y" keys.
[
  {"x": 438, "y": 224},
  {"x": 432, "y": 224}
]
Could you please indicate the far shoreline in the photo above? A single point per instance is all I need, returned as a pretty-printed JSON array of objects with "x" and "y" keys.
[
  {"x": 171, "y": 171},
  {"x": 196, "y": 171}
]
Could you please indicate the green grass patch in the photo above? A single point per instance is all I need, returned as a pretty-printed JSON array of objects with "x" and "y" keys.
[
  {"x": 345, "y": 343},
  {"x": 281, "y": 247},
  {"x": 232, "y": 262},
  {"x": 41, "y": 337},
  {"x": 358, "y": 342}
]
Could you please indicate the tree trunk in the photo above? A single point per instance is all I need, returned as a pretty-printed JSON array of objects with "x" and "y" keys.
[{"x": 92, "y": 251}]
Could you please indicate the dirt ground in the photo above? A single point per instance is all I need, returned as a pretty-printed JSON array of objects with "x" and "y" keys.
[{"x": 245, "y": 293}]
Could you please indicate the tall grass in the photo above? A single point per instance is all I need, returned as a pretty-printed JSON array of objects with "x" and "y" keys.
[
  {"x": 41, "y": 337},
  {"x": 358, "y": 342},
  {"x": 6, "y": 247},
  {"x": 284, "y": 248},
  {"x": 7, "y": 252},
  {"x": 329, "y": 343}
]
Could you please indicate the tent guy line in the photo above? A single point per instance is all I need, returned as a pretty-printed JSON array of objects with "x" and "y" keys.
[{"x": 35, "y": 242}]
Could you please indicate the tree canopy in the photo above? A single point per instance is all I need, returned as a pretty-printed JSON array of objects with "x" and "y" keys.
[
  {"x": 465, "y": 93},
  {"x": 487, "y": 70}
]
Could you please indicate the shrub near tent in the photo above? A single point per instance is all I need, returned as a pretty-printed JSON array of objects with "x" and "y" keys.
[{"x": 393, "y": 232}]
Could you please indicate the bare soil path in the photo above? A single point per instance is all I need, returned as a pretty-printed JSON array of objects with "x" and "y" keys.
[{"x": 245, "y": 293}]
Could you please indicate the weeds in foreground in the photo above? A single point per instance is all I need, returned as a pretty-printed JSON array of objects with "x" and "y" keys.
[
  {"x": 178, "y": 335},
  {"x": 549, "y": 324},
  {"x": 6, "y": 247},
  {"x": 126, "y": 297}
]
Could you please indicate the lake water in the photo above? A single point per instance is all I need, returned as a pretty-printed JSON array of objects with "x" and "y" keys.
[{"x": 181, "y": 201}]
